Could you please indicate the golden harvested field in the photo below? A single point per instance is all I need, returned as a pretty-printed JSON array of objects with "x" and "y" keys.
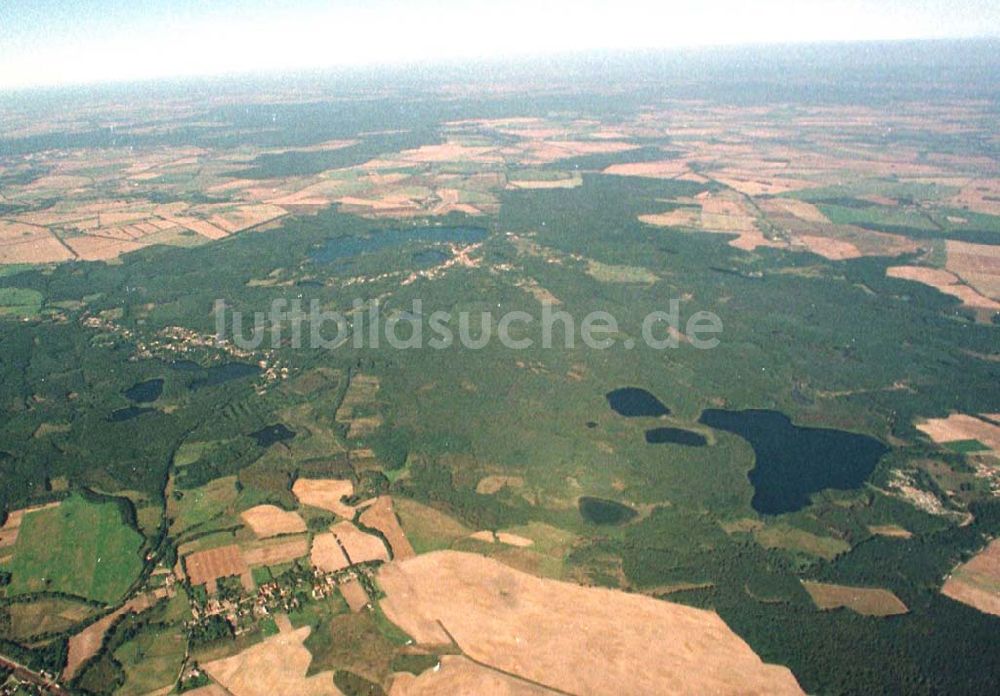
[
  {"x": 205, "y": 567},
  {"x": 514, "y": 540},
  {"x": 752, "y": 185},
  {"x": 428, "y": 529},
  {"x": 276, "y": 665},
  {"x": 381, "y": 515},
  {"x": 459, "y": 675},
  {"x": 800, "y": 209},
  {"x": 944, "y": 281},
  {"x": 94, "y": 248},
  {"x": 959, "y": 427},
  {"x": 209, "y": 690},
  {"x": 502, "y": 538},
  {"x": 270, "y": 520},
  {"x": 867, "y": 601},
  {"x": 727, "y": 214},
  {"x": 575, "y": 639},
  {"x": 29, "y": 244},
  {"x": 202, "y": 227},
  {"x": 981, "y": 196},
  {"x": 246, "y": 217},
  {"x": 359, "y": 546},
  {"x": 977, "y": 583},
  {"x": 935, "y": 277},
  {"x": 682, "y": 217},
  {"x": 976, "y": 264},
  {"x": 326, "y": 553},
  {"x": 828, "y": 247},
  {"x": 665, "y": 169},
  {"x": 488, "y": 485},
  {"x": 85, "y": 644},
  {"x": 541, "y": 294},
  {"x": 275, "y": 551},
  {"x": 449, "y": 152},
  {"x": 890, "y": 530},
  {"x": 354, "y": 594},
  {"x": 11, "y": 528},
  {"x": 542, "y": 184},
  {"x": 539, "y": 151},
  {"x": 484, "y": 535},
  {"x": 326, "y": 494}
]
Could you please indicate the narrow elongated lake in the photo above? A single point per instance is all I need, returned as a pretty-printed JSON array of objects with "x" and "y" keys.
[
  {"x": 129, "y": 413},
  {"x": 675, "y": 436},
  {"x": 344, "y": 248},
  {"x": 793, "y": 462}
]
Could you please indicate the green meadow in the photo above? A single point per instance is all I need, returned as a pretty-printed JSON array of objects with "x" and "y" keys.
[{"x": 79, "y": 548}]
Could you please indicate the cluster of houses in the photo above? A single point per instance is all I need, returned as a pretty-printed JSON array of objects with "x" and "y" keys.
[{"x": 282, "y": 595}]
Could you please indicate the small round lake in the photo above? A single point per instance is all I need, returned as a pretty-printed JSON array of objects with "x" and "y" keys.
[
  {"x": 633, "y": 402},
  {"x": 675, "y": 436},
  {"x": 605, "y": 512},
  {"x": 145, "y": 392},
  {"x": 279, "y": 432},
  {"x": 793, "y": 462}
]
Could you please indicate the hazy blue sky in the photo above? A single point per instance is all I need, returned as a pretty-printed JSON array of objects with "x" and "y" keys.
[{"x": 68, "y": 41}]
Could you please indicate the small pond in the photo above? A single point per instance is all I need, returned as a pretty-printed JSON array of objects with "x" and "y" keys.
[
  {"x": 634, "y": 402},
  {"x": 605, "y": 512},
  {"x": 145, "y": 392},
  {"x": 272, "y": 434}
]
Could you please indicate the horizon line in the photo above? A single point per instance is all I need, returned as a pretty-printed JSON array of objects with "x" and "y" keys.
[{"x": 470, "y": 62}]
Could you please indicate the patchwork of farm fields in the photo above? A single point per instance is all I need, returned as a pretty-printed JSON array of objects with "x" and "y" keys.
[{"x": 809, "y": 505}]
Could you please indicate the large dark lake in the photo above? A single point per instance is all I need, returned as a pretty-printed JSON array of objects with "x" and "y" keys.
[
  {"x": 340, "y": 249},
  {"x": 793, "y": 462},
  {"x": 215, "y": 375}
]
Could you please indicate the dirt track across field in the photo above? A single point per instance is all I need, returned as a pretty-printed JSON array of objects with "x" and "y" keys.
[
  {"x": 271, "y": 520},
  {"x": 382, "y": 516}
]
